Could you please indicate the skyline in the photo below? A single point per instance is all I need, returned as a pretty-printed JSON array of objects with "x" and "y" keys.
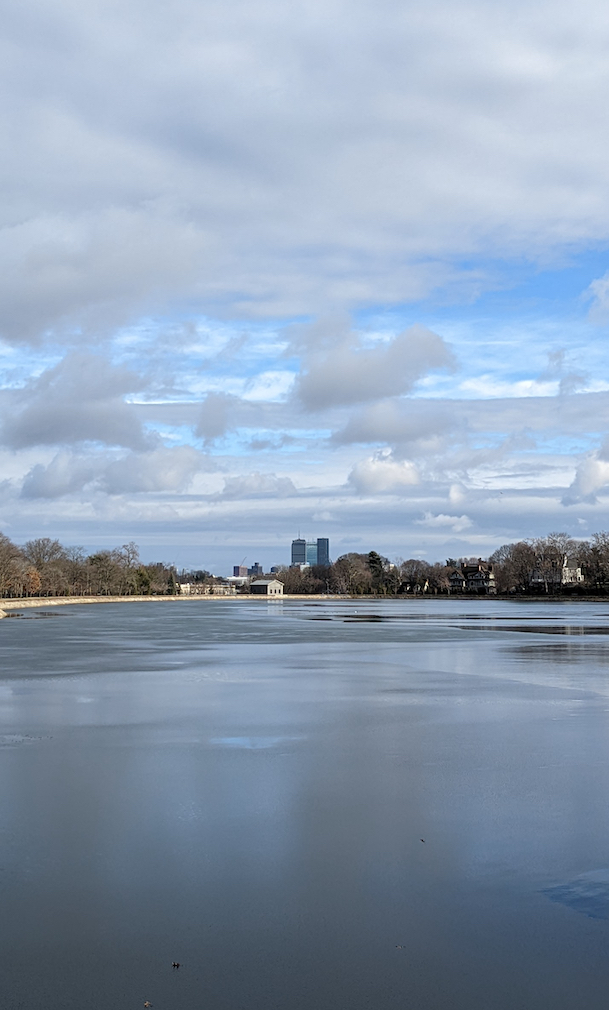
[{"x": 343, "y": 269}]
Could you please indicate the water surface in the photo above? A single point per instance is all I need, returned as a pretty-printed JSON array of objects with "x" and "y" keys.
[{"x": 311, "y": 806}]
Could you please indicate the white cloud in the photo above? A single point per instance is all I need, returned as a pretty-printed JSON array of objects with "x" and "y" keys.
[
  {"x": 65, "y": 474},
  {"x": 65, "y": 271},
  {"x": 268, "y": 386},
  {"x": 192, "y": 163},
  {"x": 457, "y": 494},
  {"x": 417, "y": 424},
  {"x": 455, "y": 523},
  {"x": 159, "y": 470},
  {"x": 381, "y": 474},
  {"x": 79, "y": 400},
  {"x": 256, "y": 485},
  {"x": 483, "y": 386},
  {"x": 598, "y": 294},
  {"x": 233, "y": 154},
  {"x": 591, "y": 476},
  {"x": 350, "y": 373},
  {"x": 216, "y": 416}
]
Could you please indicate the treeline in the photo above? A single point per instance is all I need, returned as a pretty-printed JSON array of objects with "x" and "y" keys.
[
  {"x": 362, "y": 575},
  {"x": 44, "y": 567},
  {"x": 556, "y": 564}
]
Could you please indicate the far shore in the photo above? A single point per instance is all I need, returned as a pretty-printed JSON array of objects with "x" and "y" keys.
[
  {"x": 64, "y": 601},
  {"x": 8, "y": 605}
]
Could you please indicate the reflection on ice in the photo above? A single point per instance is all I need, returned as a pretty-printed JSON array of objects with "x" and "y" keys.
[
  {"x": 252, "y": 742},
  {"x": 246, "y": 790},
  {"x": 588, "y": 893}
]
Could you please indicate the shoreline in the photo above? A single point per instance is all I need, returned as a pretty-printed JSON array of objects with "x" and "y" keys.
[{"x": 9, "y": 605}]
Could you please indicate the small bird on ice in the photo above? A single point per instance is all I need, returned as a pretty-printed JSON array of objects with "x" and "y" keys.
[
  {"x": 147, "y": 1003},
  {"x": 175, "y": 964},
  {"x": 423, "y": 840}
]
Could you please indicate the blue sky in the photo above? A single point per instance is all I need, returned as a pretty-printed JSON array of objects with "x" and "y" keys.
[{"x": 342, "y": 270}]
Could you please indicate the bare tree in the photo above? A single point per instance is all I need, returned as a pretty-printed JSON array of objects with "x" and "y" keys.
[
  {"x": 513, "y": 567},
  {"x": 354, "y": 573},
  {"x": 47, "y": 557},
  {"x": 415, "y": 575},
  {"x": 13, "y": 568},
  {"x": 551, "y": 554}
]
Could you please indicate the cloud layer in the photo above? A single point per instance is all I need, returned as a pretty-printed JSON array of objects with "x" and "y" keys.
[
  {"x": 81, "y": 399},
  {"x": 349, "y": 373},
  {"x": 277, "y": 162},
  {"x": 337, "y": 269}
]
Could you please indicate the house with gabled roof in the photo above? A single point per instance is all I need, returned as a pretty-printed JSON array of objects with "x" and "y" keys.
[{"x": 267, "y": 587}]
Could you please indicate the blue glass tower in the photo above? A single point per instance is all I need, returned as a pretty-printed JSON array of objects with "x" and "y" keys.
[
  {"x": 311, "y": 552},
  {"x": 299, "y": 552},
  {"x": 323, "y": 551}
]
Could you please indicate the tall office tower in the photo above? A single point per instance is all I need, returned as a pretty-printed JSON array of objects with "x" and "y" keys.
[
  {"x": 311, "y": 552},
  {"x": 323, "y": 551},
  {"x": 299, "y": 552}
]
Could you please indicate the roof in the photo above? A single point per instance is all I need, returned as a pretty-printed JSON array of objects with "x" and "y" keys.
[{"x": 266, "y": 582}]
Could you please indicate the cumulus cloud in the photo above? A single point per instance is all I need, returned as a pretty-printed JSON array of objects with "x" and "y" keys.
[
  {"x": 457, "y": 494},
  {"x": 598, "y": 294},
  {"x": 158, "y": 470},
  {"x": 591, "y": 476},
  {"x": 193, "y": 162},
  {"x": 216, "y": 416},
  {"x": 258, "y": 485},
  {"x": 277, "y": 164},
  {"x": 62, "y": 273},
  {"x": 351, "y": 373},
  {"x": 558, "y": 369},
  {"x": 420, "y": 425},
  {"x": 455, "y": 523},
  {"x": 79, "y": 400},
  {"x": 66, "y": 473},
  {"x": 381, "y": 474}
]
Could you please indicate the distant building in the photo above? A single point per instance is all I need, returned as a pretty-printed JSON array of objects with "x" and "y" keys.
[
  {"x": 299, "y": 552},
  {"x": 571, "y": 573},
  {"x": 267, "y": 587},
  {"x": 560, "y": 573},
  {"x": 473, "y": 575},
  {"x": 224, "y": 588},
  {"x": 457, "y": 581},
  {"x": 310, "y": 552},
  {"x": 242, "y": 571},
  {"x": 323, "y": 551}
]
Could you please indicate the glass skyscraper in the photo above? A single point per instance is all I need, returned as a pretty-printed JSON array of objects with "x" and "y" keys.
[
  {"x": 311, "y": 552},
  {"x": 299, "y": 552},
  {"x": 323, "y": 551}
]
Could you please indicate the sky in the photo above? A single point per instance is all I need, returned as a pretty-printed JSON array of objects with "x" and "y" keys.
[{"x": 332, "y": 269}]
